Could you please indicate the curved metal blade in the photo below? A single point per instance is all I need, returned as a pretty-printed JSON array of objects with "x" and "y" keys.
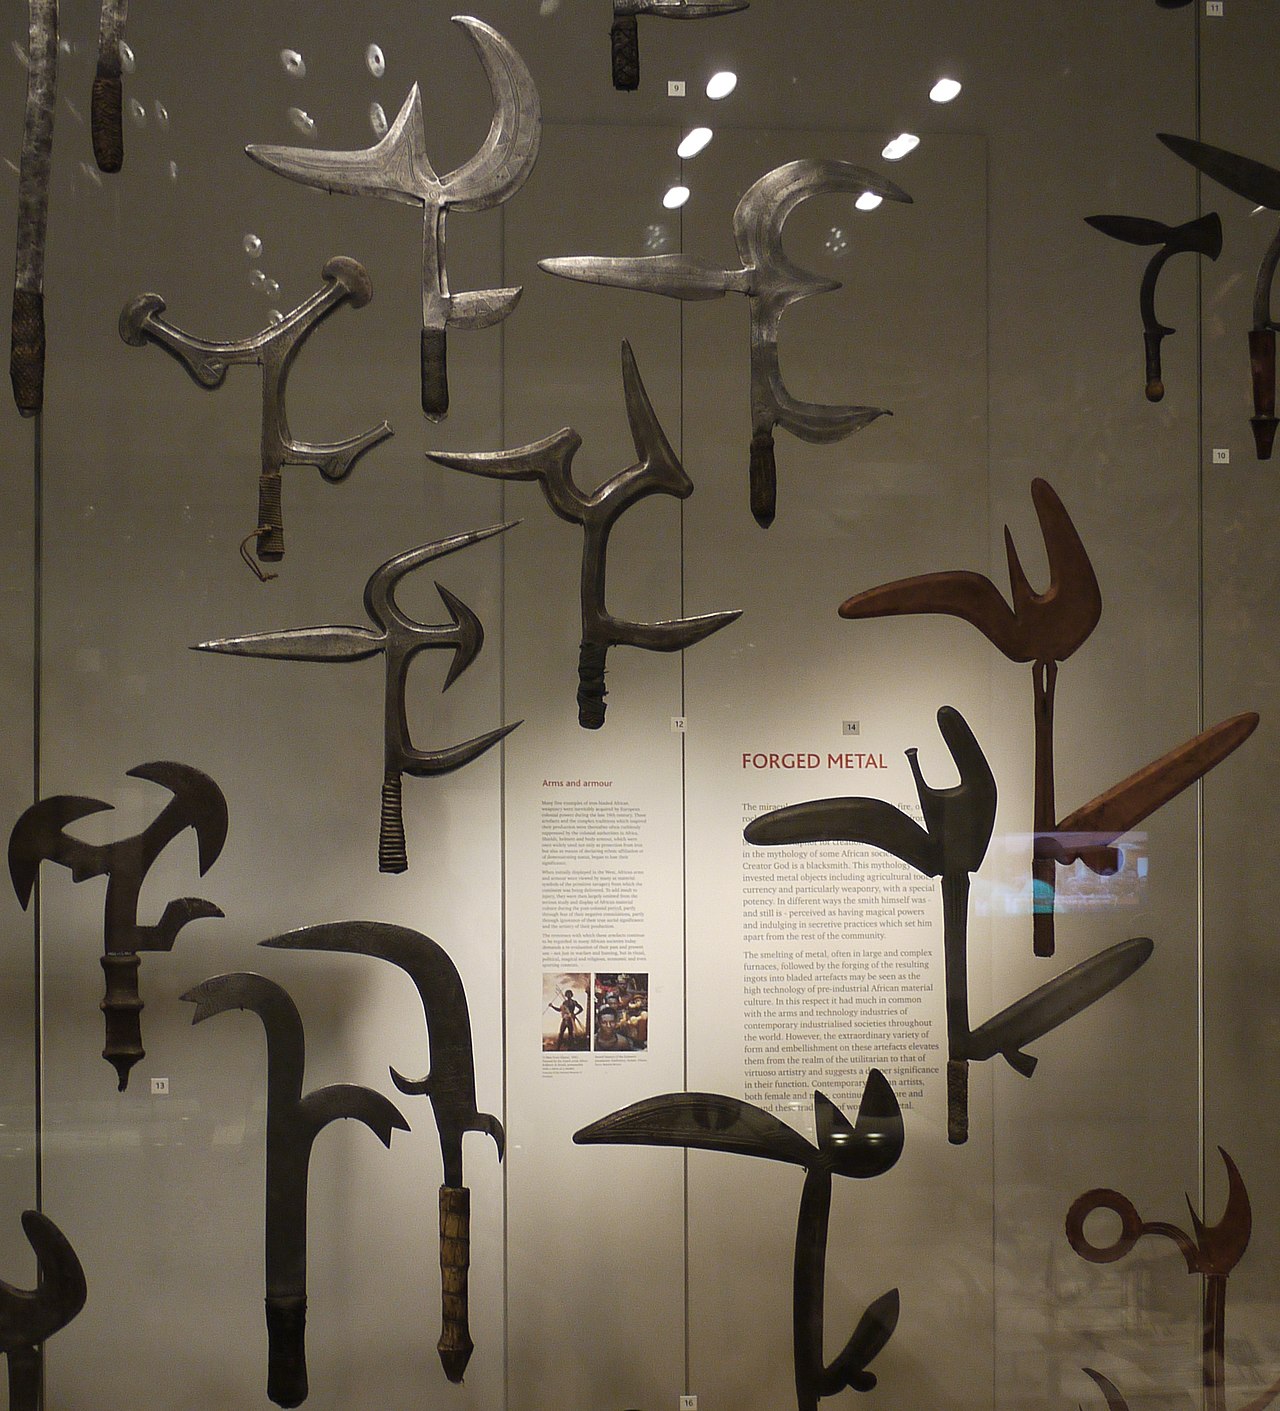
[
  {"x": 379, "y": 593},
  {"x": 40, "y": 835},
  {"x": 849, "y": 820},
  {"x": 29, "y": 1316},
  {"x": 421, "y": 763}
]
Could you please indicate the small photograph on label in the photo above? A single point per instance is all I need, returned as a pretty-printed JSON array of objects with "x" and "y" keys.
[
  {"x": 566, "y": 1011},
  {"x": 622, "y": 1013},
  {"x": 1098, "y": 874}
]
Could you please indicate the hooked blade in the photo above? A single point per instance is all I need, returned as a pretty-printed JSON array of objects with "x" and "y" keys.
[
  {"x": 29, "y": 1317},
  {"x": 849, "y": 820},
  {"x": 1255, "y": 181}
]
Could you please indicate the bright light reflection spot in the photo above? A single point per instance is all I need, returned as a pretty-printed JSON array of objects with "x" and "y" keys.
[
  {"x": 693, "y": 142},
  {"x": 868, "y": 201},
  {"x": 302, "y": 121},
  {"x": 721, "y": 84},
  {"x": 675, "y": 197},
  {"x": 293, "y": 63},
  {"x": 375, "y": 60},
  {"x": 378, "y": 119},
  {"x": 902, "y": 144},
  {"x": 944, "y": 90}
]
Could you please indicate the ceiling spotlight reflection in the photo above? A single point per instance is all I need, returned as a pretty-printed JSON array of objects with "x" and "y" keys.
[
  {"x": 693, "y": 143},
  {"x": 868, "y": 201},
  {"x": 944, "y": 90},
  {"x": 721, "y": 84},
  {"x": 675, "y": 197},
  {"x": 902, "y": 144}
]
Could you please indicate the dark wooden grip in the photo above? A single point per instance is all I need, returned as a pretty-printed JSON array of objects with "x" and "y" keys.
[
  {"x": 1262, "y": 361},
  {"x": 455, "y": 1346},
  {"x": 287, "y": 1350},
  {"x": 1044, "y": 885},
  {"x": 1152, "y": 338},
  {"x": 393, "y": 855},
  {"x": 435, "y": 374},
  {"x": 624, "y": 39},
  {"x": 270, "y": 518},
  {"x": 591, "y": 690},
  {"x": 764, "y": 479},
  {"x": 123, "y": 1011},
  {"x": 26, "y": 351},
  {"x": 104, "y": 123},
  {"x": 24, "y": 1378},
  {"x": 957, "y": 1101}
]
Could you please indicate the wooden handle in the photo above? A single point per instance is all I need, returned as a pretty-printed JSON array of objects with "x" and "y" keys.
[
  {"x": 455, "y": 1346},
  {"x": 625, "y": 41},
  {"x": 393, "y": 856},
  {"x": 957, "y": 1101},
  {"x": 24, "y": 1378},
  {"x": 287, "y": 1350},
  {"x": 1044, "y": 881},
  {"x": 26, "y": 355},
  {"x": 123, "y": 1011},
  {"x": 764, "y": 479},
  {"x": 1262, "y": 361},
  {"x": 1152, "y": 338},
  {"x": 104, "y": 122},
  {"x": 591, "y": 690},
  {"x": 270, "y": 518},
  {"x": 435, "y": 374}
]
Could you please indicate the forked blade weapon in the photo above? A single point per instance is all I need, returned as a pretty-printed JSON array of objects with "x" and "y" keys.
[
  {"x": 771, "y": 283},
  {"x": 106, "y": 104},
  {"x": 1202, "y": 236},
  {"x": 450, "y": 1084},
  {"x": 862, "y": 1149},
  {"x": 398, "y": 638},
  {"x": 28, "y": 1317},
  {"x": 274, "y": 350},
  {"x": 40, "y": 836},
  {"x": 397, "y": 168},
  {"x": 657, "y": 471},
  {"x": 293, "y": 1124},
  {"x": 952, "y": 844},
  {"x": 1044, "y": 629},
  {"x": 625, "y": 39}
]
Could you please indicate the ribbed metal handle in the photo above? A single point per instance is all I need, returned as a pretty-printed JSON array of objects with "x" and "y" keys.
[
  {"x": 455, "y": 1346},
  {"x": 104, "y": 122},
  {"x": 393, "y": 856},
  {"x": 625, "y": 42},
  {"x": 123, "y": 1012},
  {"x": 270, "y": 518},
  {"x": 26, "y": 351}
]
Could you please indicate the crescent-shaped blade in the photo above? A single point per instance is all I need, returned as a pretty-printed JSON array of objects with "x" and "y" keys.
[
  {"x": 872, "y": 1144},
  {"x": 302, "y": 644},
  {"x": 671, "y": 635},
  {"x": 849, "y": 820},
  {"x": 706, "y": 1121},
  {"x": 424, "y": 763},
  {"x": 1255, "y": 181},
  {"x": 958, "y": 593},
  {"x": 506, "y": 157},
  {"x": 29, "y": 1317},
  {"x": 1054, "y": 623},
  {"x": 1221, "y": 1246},
  {"x": 379, "y": 592},
  {"x": 202, "y": 805},
  {"x": 39, "y": 836},
  {"x": 1115, "y": 1401}
]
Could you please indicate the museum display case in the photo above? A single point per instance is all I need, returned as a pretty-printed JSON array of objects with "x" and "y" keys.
[{"x": 1038, "y": 801}]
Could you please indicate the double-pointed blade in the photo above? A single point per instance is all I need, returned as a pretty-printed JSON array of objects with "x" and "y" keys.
[{"x": 302, "y": 644}]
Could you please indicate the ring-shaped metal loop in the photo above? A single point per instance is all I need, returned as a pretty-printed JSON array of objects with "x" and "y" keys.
[{"x": 1131, "y": 1226}]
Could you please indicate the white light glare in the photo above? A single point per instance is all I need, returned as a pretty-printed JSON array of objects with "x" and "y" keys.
[
  {"x": 676, "y": 197},
  {"x": 944, "y": 90},
  {"x": 721, "y": 84},
  {"x": 902, "y": 144},
  {"x": 868, "y": 201},
  {"x": 693, "y": 142}
]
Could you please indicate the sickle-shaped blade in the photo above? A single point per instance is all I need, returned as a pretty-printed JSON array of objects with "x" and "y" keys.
[
  {"x": 849, "y": 820},
  {"x": 40, "y": 835},
  {"x": 1115, "y": 1402},
  {"x": 1255, "y": 181},
  {"x": 688, "y": 277},
  {"x": 1221, "y": 1246},
  {"x": 379, "y": 593},
  {"x": 871, "y": 1145},
  {"x": 29, "y": 1316},
  {"x": 198, "y": 804},
  {"x": 302, "y": 644}
]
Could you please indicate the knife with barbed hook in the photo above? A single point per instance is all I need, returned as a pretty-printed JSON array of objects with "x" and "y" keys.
[
  {"x": 274, "y": 350},
  {"x": 107, "y": 100},
  {"x": 398, "y": 638},
  {"x": 28, "y": 1317},
  {"x": 952, "y": 844},
  {"x": 397, "y": 169},
  {"x": 1201, "y": 236},
  {"x": 26, "y": 353},
  {"x": 624, "y": 38},
  {"x": 1260, "y": 184},
  {"x": 450, "y": 1085},
  {"x": 657, "y": 471},
  {"x": 1044, "y": 629},
  {"x": 863, "y": 1149},
  {"x": 771, "y": 283}
]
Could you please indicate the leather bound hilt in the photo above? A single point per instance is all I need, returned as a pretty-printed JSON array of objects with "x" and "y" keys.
[
  {"x": 1151, "y": 338},
  {"x": 123, "y": 1011},
  {"x": 26, "y": 351},
  {"x": 624, "y": 39},
  {"x": 393, "y": 856},
  {"x": 764, "y": 479},
  {"x": 455, "y": 1346},
  {"x": 591, "y": 690},
  {"x": 104, "y": 123},
  {"x": 435, "y": 374},
  {"x": 287, "y": 1349},
  {"x": 1262, "y": 361},
  {"x": 270, "y": 518},
  {"x": 24, "y": 1378},
  {"x": 957, "y": 1101},
  {"x": 1044, "y": 881}
]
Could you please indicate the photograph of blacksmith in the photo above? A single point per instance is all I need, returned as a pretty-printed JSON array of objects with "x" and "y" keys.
[
  {"x": 566, "y": 1018},
  {"x": 622, "y": 1012}
]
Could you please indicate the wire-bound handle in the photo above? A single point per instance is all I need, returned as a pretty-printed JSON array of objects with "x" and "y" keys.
[
  {"x": 270, "y": 518},
  {"x": 591, "y": 690},
  {"x": 764, "y": 478},
  {"x": 1152, "y": 338},
  {"x": 123, "y": 1011},
  {"x": 1262, "y": 361},
  {"x": 393, "y": 856},
  {"x": 625, "y": 41},
  {"x": 957, "y": 1101},
  {"x": 455, "y": 1346},
  {"x": 287, "y": 1349},
  {"x": 435, "y": 374},
  {"x": 26, "y": 351},
  {"x": 104, "y": 122}
]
